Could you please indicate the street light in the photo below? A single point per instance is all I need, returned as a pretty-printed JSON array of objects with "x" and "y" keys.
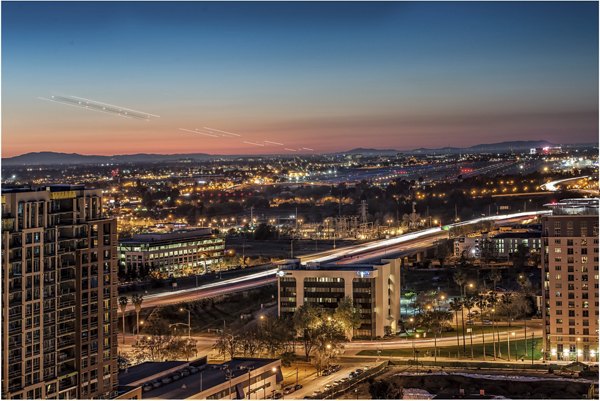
[
  {"x": 508, "y": 337},
  {"x": 189, "y": 323}
]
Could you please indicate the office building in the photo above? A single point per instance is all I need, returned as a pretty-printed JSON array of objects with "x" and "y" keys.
[
  {"x": 373, "y": 288},
  {"x": 570, "y": 277},
  {"x": 174, "y": 254},
  {"x": 240, "y": 378},
  {"x": 59, "y": 294}
]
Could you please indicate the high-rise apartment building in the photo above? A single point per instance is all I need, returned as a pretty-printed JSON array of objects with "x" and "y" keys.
[
  {"x": 570, "y": 277},
  {"x": 59, "y": 294}
]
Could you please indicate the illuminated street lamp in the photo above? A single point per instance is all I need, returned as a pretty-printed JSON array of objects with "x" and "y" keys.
[{"x": 189, "y": 323}]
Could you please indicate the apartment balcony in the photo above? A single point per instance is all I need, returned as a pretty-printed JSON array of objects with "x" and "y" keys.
[
  {"x": 65, "y": 342},
  {"x": 66, "y": 315},
  {"x": 15, "y": 328},
  {"x": 66, "y": 301}
]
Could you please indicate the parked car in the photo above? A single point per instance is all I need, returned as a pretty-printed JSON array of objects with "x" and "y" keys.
[
  {"x": 487, "y": 322},
  {"x": 298, "y": 387},
  {"x": 166, "y": 380},
  {"x": 147, "y": 387},
  {"x": 156, "y": 384},
  {"x": 277, "y": 395},
  {"x": 469, "y": 323},
  {"x": 288, "y": 390}
]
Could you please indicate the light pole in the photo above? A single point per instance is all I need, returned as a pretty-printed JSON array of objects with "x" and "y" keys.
[
  {"x": 508, "y": 337},
  {"x": 577, "y": 349},
  {"x": 414, "y": 349},
  {"x": 189, "y": 323}
]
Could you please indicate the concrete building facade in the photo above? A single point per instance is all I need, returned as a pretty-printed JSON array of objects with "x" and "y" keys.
[
  {"x": 373, "y": 288},
  {"x": 570, "y": 277},
  {"x": 59, "y": 298}
]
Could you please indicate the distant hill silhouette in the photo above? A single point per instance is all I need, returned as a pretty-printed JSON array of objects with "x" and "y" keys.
[{"x": 57, "y": 158}]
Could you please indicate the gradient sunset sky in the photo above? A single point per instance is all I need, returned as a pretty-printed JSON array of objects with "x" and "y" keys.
[{"x": 326, "y": 76}]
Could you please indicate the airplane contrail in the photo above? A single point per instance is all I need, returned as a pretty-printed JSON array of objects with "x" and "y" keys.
[
  {"x": 254, "y": 143},
  {"x": 273, "y": 143},
  {"x": 307, "y": 149},
  {"x": 198, "y": 132},
  {"x": 94, "y": 105},
  {"x": 291, "y": 150},
  {"x": 224, "y": 132}
]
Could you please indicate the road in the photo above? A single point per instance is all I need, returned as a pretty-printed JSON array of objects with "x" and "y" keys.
[
  {"x": 250, "y": 281},
  {"x": 554, "y": 186}
]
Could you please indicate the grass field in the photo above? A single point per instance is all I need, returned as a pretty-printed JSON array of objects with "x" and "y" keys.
[
  {"x": 517, "y": 348},
  {"x": 476, "y": 330}
]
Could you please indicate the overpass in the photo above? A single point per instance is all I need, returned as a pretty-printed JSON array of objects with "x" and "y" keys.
[{"x": 403, "y": 245}]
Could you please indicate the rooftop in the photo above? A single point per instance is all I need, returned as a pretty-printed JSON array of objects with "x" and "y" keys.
[
  {"x": 210, "y": 376},
  {"x": 579, "y": 206},
  {"x": 519, "y": 234},
  {"x": 175, "y": 235},
  {"x": 147, "y": 369},
  {"x": 50, "y": 188}
]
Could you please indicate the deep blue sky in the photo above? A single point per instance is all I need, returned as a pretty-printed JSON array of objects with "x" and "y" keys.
[{"x": 327, "y": 76}]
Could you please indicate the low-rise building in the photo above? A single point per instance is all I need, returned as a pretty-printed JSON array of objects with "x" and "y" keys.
[
  {"x": 505, "y": 244},
  {"x": 173, "y": 254},
  {"x": 373, "y": 288},
  {"x": 240, "y": 378}
]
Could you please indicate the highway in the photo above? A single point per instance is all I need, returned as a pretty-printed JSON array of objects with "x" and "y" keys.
[
  {"x": 360, "y": 253},
  {"x": 553, "y": 186}
]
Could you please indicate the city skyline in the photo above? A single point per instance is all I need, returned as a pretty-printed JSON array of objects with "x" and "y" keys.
[{"x": 322, "y": 76}]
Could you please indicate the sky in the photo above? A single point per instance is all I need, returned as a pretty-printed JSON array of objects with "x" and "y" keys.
[{"x": 324, "y": 76}]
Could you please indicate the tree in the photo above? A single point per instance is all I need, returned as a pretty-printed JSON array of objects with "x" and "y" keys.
[
  {"x": 385, "y": 390},
  {"x": 482, "y": 303},
  {"x": 263, "y": 232},
  {"x": 434, "y": 321},
  {"x": 468, "y": 303},
  {"x": 228, "y": 344},
  {"x": 506, "y": 301},
  {"x": 492, "y": 300},
  {"x": 495, "y": 276},
  {"x": 348, "y": 316},
  {"x": 306, "y": 320},
  {"x": 123, "y": 301},
  {"x": 137, "y": 300},
  {"x": 250, "y": 343},
  {"x": 456, "y": 305},
  {"x": 329, "y": 343},
  {"x": 520, "y": 257}
]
